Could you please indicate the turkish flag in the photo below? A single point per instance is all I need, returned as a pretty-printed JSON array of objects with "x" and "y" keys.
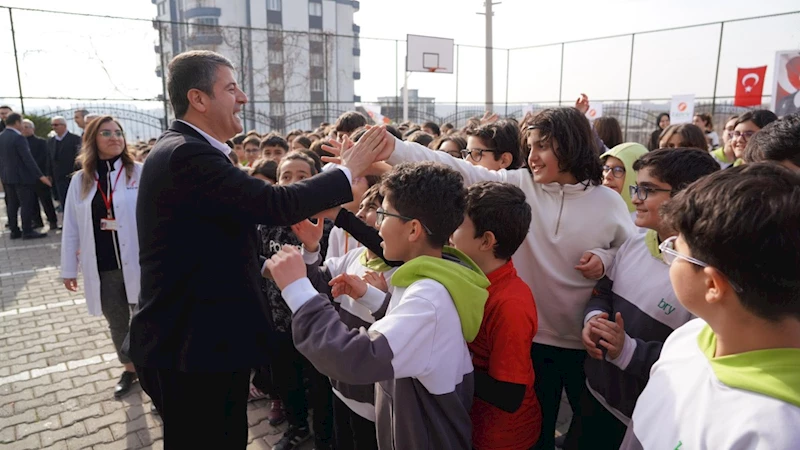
[{"x": 750, "y": 86}]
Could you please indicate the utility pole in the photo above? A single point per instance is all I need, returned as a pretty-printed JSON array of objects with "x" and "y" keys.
[{"x": 489, "y": 64}]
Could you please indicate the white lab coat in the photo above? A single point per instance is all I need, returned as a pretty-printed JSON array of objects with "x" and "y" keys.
[{"x": 78, "y": 233}]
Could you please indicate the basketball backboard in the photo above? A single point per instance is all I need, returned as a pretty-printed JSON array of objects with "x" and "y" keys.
[{"x": 429, "y": 54}]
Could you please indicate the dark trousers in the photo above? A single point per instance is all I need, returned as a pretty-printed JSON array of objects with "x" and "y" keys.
[
  {"x": 199, "y": 409},
  {"x": 116, "y": 309},
  {"x": 62, "y": 186},
  {"x": 595, "y": 427},
  {"x": 289, "y": 369},
  {"x": 21, "y": 196},
  {"x": 45, "y": 196},
  {"x": 353, "y": 432},
  {"x": 556, "y": 368}
]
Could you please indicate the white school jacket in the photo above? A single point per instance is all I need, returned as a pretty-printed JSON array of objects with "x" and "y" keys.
[{"x": 78, "y": 233}]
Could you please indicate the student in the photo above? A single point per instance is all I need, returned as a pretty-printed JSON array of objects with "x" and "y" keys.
[
  {"x": 289, "y": 367},
  {"x": 452, "y": 144},
  {"x": 575, "y": 231},
  {"x": 779, "y": 142},
  {"x": 706, "y": 124},
  {"x": 618, "y": 173},
  {"x": 432, "y": 128},
  {"x": 252, "y": 150},
  {"x": 349, "y": 122},
  {"x": 747, "y": 125},
  {"x": 274, "y": 147},
  {"x": 416, "y": 354},
  {"x": 729, "y": 378},
  {"x": 724, "y": 155},
  {"x": 354, "y": 405},
  {"x": 505, "y": 412},
  {"x": 633, "y": 309},
  {"x": 662, "y": 122},
  {"x": 421, "y": 138},
  {"x": 609, "y": 131},
  {"x": 238, "y": 146},
  {"x": 494, "y": 146},
  {"x": 685, "y": 135},
  {"x": 265, "y": 169}
]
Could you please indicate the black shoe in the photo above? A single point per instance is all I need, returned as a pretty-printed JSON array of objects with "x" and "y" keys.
[
  {"x": 34, "y": 235},
  {"x": 154, "y": 410},
  {"x": 36, "y": 226},
  {"x": 16, "y": 234},
  {"x": 54, "y": 226},
  {"x": 560, "y": 440},
  {"x": 7, "y": 225},
  {"x": 124, "y": 385},
  {"x": 293, "y": 438}
]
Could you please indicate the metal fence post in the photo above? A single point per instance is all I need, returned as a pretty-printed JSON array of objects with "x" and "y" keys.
[
  {"x": 630, "y": 79},
  {"x": 16, "y": 61},
  {"x": 241, "y": 78},
  {"x": 458, "y": 63},
  {"x": 508, "y": 67},
  {"x": 561, "y": 75},
  {"x": 163, "y": 74},
  {"x": 396, "y": 80},
  {"x": 716, "y": 74}
]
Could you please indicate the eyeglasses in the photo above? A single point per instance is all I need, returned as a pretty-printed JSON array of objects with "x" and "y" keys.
[
  {"x": 641, "y": 192},
  {"x": 669, "y": 254},
  {"x": 252, "y": 150},
  {"x": 109, "y": 133},
  {"x": 476, "y": 154},
  {"x": 617, "y": 172},
  {"x": 380, "y": 214},
  {"x": 58, "y": 125},
  {"x": 746, "y": 134}
]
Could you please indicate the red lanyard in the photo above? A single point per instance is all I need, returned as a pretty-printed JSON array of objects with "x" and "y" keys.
[{"x": 110, "y": 198}]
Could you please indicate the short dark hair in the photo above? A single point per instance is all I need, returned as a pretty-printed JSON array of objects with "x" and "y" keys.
[
  {"x": 266, "y": 168},
  {"x": 778, "y": 141},
  {"x": 410, "y": 130},
  {"x": 576, "y": 148},
  {"x": 298, "y": 156},
  {"x": 678, "y": 167},
  {"x": 458, "y": 139},
  {"x": 196, "y": 69},
  {"x": 239, "y": 139},
  {"x": 744, "y": 221},
  {"x": 313, "y": 156},
  {"x": 705, "y": 117},
  {"x": 274, "y": 140},
  {"x": 251, "y": 140},
  {"x": 409, "y": 188},
  {"x": 433, "y": 127},
  {"x": 691, "y": 135},
  {"x": 421, "y": 138},
  {"x": 446, "y": 127},
  {"x": 302, "y": 140},
  {"x": 5, "y": 107},
  {"x": 760, "y": 117},
  {"x": 502, "y": 136},
  {"x": 609, "y": 131},
  {"x": 316, "y": 147},
  {"x": 373, "y": 194},
  {"x": 83, "y": 112},
  {"x": 349, "y": 122},
  {"x": 13, "y": 119},
  {"x": 502, "y": 209},
  {"x": 394, "y": 132}
]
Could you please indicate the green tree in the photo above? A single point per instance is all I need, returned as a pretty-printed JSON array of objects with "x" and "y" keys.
[{"x": 42, "y": 124}]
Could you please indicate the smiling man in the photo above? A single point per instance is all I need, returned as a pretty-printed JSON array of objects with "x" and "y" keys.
[{"x": 201, "y": 326}]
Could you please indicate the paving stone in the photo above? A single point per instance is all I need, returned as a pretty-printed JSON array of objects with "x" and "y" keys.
[
  {"x": 50, "y": 437},
  {"x": 95, "y": 423},
  {"x": 76, "y": 392},
  {"x": 28, "y": 416},
  {"x": 36, "y": 402},
  {"x": 26, "y": 429},
  {"x": 70, "y": 417},
  {"x": 130, "y": 442},
  {"x": 61, "y": 386},
  {"x": 6, "y": 398},
  {"x": 29, "y": 443},
  {"x": 6, "y": 435},
  {"x": 149, "y": 436},
  {"x": 36, "y": 380},
  {"x": 89, "y": 440}
]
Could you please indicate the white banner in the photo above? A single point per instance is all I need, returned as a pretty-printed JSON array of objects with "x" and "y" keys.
[
  {"x": 682, "y": 109},
  {"x": 594, "y": 112},
  {"x": 374, "y": 112},
  {"x": 786, "y": 83}
]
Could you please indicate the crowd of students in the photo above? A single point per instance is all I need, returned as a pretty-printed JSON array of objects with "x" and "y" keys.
[{"x": 485, "y": 270}]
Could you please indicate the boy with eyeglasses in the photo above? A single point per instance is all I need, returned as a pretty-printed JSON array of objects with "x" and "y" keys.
[
  {"x": 417, "y": 353},
  {"x": 729, "y": 379},
  {"x": 618, "y": 173},
  {"x": 494, "y": 146},
  {"x": 633, "y": 308}
]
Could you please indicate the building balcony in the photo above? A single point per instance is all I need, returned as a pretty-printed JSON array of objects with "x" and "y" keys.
[
  {"x": 357, "y": 98},
  {"x": 356, "y": 75},
  {"x": 202, "y": 11},
  {"x": 204, "y": 39},
  {"x": 158, "y": 72},
  {"x": 157, "y": 48},
  {"x": 356, "y": 5},
  {"x": 155, "y": 2},
  {"x": 356, "y": 28},
  {"x": 356, "y": 51}
]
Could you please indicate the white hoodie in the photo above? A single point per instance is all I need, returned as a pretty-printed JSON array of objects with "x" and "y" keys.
[{"x": 567, "y": 221}]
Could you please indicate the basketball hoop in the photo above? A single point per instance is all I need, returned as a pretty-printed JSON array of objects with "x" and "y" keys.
[{"x": 432, "y": 69}]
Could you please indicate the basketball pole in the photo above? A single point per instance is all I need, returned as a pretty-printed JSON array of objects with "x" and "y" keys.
[
  {"x": 489, "y": 56},
  {"x": 405, "y": 96}
]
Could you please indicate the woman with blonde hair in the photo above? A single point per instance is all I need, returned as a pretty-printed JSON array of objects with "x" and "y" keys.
[{"x": 100, "y": 233}]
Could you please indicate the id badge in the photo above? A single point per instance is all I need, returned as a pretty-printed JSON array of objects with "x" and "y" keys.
[{"x": 108, "y": 224}]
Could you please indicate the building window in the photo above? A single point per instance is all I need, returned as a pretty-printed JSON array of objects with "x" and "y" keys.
[
  {"x": 315, "y": 9},
  {"x": 318, "y": 109},
  {"x": 204, "y": 26},
  {"x": 273, "y": 5},
  {"x": 316, "y": 59},
  {"x": 276, "y": 109},
  {"x": 317, "y": 84},
  {"x": 275, "y": 57},
  {"x": 316, "y": 36},
  {"x": 274, "y": 27}
]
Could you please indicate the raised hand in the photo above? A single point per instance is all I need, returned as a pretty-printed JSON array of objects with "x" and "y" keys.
[
  {"x": 489, "y": 117},
  {"x": 286, "y": 266},
  {"x": 309, "y": 233},
  {"x": 612, "y": 334},
  {"x": 346, "y": 284},
  {"x": 336, "y": 147},
  {"x": 376, "y": 280},
  {"x": 582, "y": 104}
]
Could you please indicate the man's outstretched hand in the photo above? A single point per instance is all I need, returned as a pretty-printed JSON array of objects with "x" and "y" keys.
[
  {"x": 340, "y": 149},
  {"x": 364, "y": 152},
  {"x": 286, "y": 266}
]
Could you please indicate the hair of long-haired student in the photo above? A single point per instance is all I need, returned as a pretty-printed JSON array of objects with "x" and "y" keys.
[
  {"x": 570, "y": 135},
  {"x": 89, "y": 154}
]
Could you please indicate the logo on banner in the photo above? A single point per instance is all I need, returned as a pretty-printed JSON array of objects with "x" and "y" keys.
[
  {"x": 749, "y": 86},
  {"x": 682, "y": 106},
  {"x": 681, "y": 109},
  {"x": 595, "y": 112}
]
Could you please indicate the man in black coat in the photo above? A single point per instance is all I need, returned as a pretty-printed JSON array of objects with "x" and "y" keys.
[
  {"x": 63, "y": 148},
  {"x": 202, "y": 323},
  {"x": 20, "y": 174},
  {"x": 44, "y": 194}
]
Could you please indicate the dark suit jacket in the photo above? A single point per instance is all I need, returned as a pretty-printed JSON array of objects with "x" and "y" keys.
[
  {"x": 201, "y": 306},
  {"x": 16, "y": 163},
  {"x": 40, "y": 154},
  {"x": 63, "y": 161}
]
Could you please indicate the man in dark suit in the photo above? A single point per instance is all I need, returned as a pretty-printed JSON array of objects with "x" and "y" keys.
[
  {"x": 5, "y": 110},
  {"x": 63, "y": 148},
  {"x": 202, "y": 323},
  {"x": 20, "y": 174},
  {"x": 44, "y": 194}
]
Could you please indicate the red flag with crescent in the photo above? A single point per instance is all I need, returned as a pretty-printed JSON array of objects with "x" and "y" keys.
[{"x": 750, "y": 86}]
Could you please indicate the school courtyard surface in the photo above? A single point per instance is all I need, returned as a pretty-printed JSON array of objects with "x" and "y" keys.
[{"x": 58, "y": 366}]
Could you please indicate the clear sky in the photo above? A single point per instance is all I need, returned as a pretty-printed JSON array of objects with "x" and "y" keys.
[{"x": 90, "y": 57}]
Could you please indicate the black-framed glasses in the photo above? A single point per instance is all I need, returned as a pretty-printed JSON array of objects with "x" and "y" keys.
[
  {"x": 669, "y": 254},
  {"x": 380, "y": 214},
  {"x": 744, "y": 134},
  {"x": 476, "y": 154},
  {"x": 109, "y": 133},
  {"x": 616, "y": 172},
  {"x": 641, "y": 192}
]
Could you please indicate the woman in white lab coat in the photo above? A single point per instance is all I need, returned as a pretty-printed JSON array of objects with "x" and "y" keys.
[{"x": 100, "y": 232}]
